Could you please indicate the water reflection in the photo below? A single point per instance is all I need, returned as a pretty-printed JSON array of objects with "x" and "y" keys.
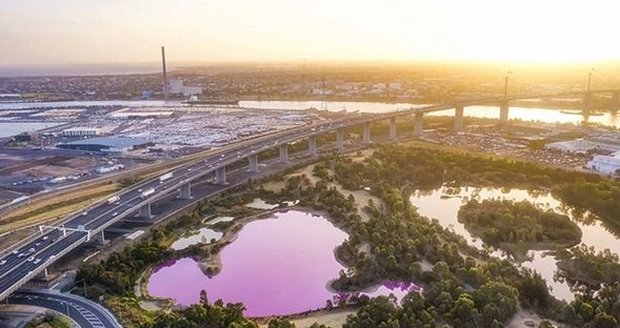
[{"x": 443, "y": 204}]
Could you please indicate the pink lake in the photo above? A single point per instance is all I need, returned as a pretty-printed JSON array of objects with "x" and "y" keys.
[{"x": 276, "y": 266}]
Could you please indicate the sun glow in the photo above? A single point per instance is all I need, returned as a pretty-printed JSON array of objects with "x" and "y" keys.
[{"x": 58, "y": 31}]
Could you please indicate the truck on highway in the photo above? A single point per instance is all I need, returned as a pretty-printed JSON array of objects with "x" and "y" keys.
[
  {"x": 165, "y": 177},
  {"x": 147, "y": 192},
  {"x": 113, "y": 200}
]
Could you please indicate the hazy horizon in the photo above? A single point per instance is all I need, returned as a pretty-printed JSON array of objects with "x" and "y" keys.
[{"x": 62, "y": 32}]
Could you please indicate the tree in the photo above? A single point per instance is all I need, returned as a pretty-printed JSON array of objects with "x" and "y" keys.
[
  {"x": 586, "y": 311},
  {"x": 317, "y": 325},
  {"x": 463, "y": 309},
  {"x": 280, "y": 323},
  {"x": 545, "y": 324},
  {"x": 604, "y": 320}
]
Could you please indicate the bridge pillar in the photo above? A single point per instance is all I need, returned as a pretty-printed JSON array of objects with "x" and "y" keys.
[
  {"x": 366, "y": 133},
  {"x": 340, "y": 139},
  {"x": 587, "y": 103},
  {"x": 614, "y": 103},
  {"x": 185, "y": 192},
  {"x": 220, "y": 175},
  {"x": 284, "y": 153},
  {"x": 392, "y": 132},
  {"x": 458, "y": 118},
  {"x": 312, "y": 146},
  {"x": 101, "y": 238},
  {"x": 145, "y": 211},
  {"x": 418, "y": 123},
  {"x": 503, "y": 111},
  {"x": 253, "y": 163},
  {"x": 42, "y": 275}
]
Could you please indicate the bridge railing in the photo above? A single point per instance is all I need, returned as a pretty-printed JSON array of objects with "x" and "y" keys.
[{"x": 39, "y": 269}]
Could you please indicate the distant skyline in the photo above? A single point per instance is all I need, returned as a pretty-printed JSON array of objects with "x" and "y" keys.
[{"x": 52, "y": 32}]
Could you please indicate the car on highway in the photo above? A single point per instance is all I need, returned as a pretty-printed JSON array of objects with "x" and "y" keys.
[
  {"x": 30, "y": 259},
  {"x": 46, "y": 238},
  {"x": 31, "y": 250},
  {"x": 84, "y": 213},
  {"x": 37, "y": 261},
  {"x": 140, "y": 190},
  {"x": 115, "y": 214},
  {"x": 14, "y": 252},
  {"x": 21, "y": 255},
  {"x": 3, "y": 262},
  {"x": 37, "y": 244}
]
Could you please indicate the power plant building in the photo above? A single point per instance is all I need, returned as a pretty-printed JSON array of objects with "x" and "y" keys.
[{"x": 175, "y": 87}]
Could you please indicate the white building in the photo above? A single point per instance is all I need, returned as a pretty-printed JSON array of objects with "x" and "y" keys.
[
  {"x": 395, "y": 86},
  {"x": 80, "y": 132},
  {"x": 583, "y": 146},
  {"x": 175, "y": 86},
  {"x": 606, "y": 164}
]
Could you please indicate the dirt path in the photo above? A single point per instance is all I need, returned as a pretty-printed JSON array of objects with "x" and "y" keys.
[{"x": 334, "y": 319}]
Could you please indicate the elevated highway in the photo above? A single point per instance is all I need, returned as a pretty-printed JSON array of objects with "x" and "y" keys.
[{"x": 33, "y": 255}]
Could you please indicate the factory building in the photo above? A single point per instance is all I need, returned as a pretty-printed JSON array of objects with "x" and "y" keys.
[
  {"x": 175, "y": 86},
  {"x": 108, "y": 144},
  {"x": 80, "y": 132},
  {"x": 607, "y": 164}
]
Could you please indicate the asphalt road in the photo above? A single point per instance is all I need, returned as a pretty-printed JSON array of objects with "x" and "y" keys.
[{"x": 85, "y": 313}]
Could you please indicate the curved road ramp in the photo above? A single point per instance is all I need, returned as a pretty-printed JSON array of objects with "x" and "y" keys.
[{"x": 84, "y": 312}]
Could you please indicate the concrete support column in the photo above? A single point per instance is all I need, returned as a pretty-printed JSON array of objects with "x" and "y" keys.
[
  {"x": 366, "y": 134},
  {"x": 101, "y": 239},
  {"x": 340, "y": 139},
  {"x": 185, "y": 192},
  {"x": 587, "y": 103},
  {"x": 418, "y": 124},
  {"x": 312, "y": 146},
  {"x": 503, "y": 111},
  {"x": 284, "y": 153},
  {"x": 614, "y": 104},
  {"x": 458, "y": 118},
  {"x": 253, "y": 163},
  {"x": 392, "y": 133},
  {"x": 42, "y": 275},
  {"x": 220, "y": 175},
  {"x": 145, "y": 211}
]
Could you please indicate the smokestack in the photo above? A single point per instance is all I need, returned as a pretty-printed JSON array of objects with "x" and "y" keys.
[{"x": 163, "y": 64}]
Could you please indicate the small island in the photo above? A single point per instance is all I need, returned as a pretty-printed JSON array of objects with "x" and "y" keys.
[{"x": 518, "y": 226}]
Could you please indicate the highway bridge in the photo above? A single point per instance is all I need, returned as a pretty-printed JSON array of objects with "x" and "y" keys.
[{"x": 32, "y": 256}]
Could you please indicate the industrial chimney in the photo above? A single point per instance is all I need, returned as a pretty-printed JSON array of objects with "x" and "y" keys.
[{"x": 163, "y": 63}]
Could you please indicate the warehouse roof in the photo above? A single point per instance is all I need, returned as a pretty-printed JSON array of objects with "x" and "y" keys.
[{"x": 112, "y": 142}]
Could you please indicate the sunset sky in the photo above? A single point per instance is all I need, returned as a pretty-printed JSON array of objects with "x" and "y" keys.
[{"x": 114, "y": 31}]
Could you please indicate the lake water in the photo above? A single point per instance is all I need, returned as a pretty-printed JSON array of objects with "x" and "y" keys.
[
  {"x": 276, "y": 266},
  {"x": 203, "y": 236},
  {"x": 443, "y": 204},
  {"x": 14, "y": 128}
]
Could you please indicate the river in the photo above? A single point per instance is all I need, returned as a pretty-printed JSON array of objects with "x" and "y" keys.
[
  {"x": 522, "y": 113},
  {"x": 8, "y": 129},
  {"x": 443, "y": 204},
  {"x": 276, "y": 266}
]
